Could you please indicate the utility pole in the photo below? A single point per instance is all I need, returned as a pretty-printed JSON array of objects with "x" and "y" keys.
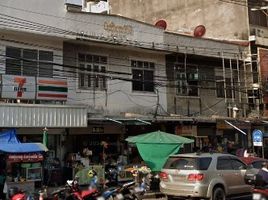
[{"x": 157, "y": 103}]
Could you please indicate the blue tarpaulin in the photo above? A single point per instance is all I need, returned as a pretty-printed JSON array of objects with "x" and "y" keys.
[
  {"x": 9, "y": 137},
  {"x": 23, "y": 148},
  {"x": 9, "y": 143}
]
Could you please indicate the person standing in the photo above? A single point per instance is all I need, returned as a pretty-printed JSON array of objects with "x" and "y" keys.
[
  {"x": 263, "y": 173},
  {"x": 2, "y": 183}
]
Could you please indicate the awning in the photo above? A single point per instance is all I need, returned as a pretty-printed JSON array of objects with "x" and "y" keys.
[
  {"x": 139, "y": 120},
  {"x": 23, "y": 148},
  {"x": 235, "y": 127},
  {"x": 42, "y": 115},
  {"x": 122, "y": 121}
]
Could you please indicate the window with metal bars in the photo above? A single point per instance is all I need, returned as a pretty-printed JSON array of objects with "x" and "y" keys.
[
  {"x": 29, "y": 62},
  {"x": 143, "y": 76},
  {"x": 187, "y": 80},
  {"x": 92, "y": 72}
]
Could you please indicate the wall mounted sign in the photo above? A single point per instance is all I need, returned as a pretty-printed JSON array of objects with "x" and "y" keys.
[
  {"x": 98, "y": 130},
  {"x": 35, "y": 157},
  {"x": 257, "y": 138},
  {"x": 18, "y": 87},
  {"x": 51, "y": 89},
  {"x": 118, "y": 29}
]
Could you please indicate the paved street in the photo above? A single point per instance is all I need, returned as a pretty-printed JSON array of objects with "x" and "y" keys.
[{"x": 163, "y": 198}]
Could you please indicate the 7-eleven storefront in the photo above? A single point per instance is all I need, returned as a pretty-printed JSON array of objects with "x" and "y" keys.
[{"x": 31, "y": 104}]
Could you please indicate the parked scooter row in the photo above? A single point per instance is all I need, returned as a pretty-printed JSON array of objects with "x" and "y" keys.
[{"x": 132, "y": 190}]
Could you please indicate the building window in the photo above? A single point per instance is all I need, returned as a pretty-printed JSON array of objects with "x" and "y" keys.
[
  {"x": 258, "y": 18},
  {"x": 29, "y": 62},
  {"x": 143, "y": 76},
  {"x": 187, "y": 80},
  {"x": 220, "y": 91},
  {"x": 220, "y": 87},
  {"x": 92, "y": 71}
]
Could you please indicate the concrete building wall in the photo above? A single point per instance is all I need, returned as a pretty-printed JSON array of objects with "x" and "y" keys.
[
  {"x": 69, "y": 24},
  {"x": 206, "y": 103},
  {"x": 119, "y": 96},
  {"x": 221, "y": 19},
  {"x": 55, "y": 22}
]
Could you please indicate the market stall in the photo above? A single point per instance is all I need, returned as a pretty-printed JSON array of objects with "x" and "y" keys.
[{"x": 23, "y": 161}]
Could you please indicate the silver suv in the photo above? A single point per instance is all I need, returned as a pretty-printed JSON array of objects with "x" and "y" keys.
[{"x": 206, "y": 175}]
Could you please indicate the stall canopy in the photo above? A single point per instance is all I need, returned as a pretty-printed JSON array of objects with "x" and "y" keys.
[
  {"x": 9, "y": 143},
  {"x": 155, "y": 147}
]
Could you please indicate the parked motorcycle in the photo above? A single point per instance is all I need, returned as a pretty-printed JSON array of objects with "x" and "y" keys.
[
  {"x": 260, "y": 189},
  {"x": 15, "y": 194},
  {"x": 74, "y": 192},
  {"x": 142, "y": 176},
  {"x": 111, "y": 175}
]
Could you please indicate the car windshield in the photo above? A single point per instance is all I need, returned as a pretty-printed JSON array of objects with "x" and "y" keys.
[{"x": 188, "y": 163}]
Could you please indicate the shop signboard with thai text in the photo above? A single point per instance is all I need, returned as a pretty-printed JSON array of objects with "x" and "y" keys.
[
  {"x": 34, "y": 157},
  {"x": 186, "y": 130},
  {"x": 18, "y": 87}
]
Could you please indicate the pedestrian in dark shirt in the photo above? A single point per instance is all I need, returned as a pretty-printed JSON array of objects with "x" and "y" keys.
[
  {"x": 264, "y": 173},
  {"x": 2, "y": 183}
]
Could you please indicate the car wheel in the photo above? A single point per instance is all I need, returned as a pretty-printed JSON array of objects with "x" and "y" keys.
[{"x": 218, "y": 194}]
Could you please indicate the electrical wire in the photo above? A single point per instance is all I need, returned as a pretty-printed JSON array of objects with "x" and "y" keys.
[{"x": 162, "y": 83}]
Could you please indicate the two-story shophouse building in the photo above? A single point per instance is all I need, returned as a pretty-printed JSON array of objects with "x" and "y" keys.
[
  {"x": 81, "y": 75},
  {"x": 91, "y": 77}
]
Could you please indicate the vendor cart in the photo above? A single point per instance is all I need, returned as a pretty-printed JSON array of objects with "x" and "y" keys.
[{"x": 23, "y": 161}]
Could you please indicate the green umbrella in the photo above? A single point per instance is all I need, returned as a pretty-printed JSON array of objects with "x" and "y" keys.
[
  {"x": 155, "y": 147},
  {"x": 159, "y": 137}
]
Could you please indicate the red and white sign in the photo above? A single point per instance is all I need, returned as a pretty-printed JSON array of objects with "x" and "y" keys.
[
  {"x": 35, "y": 157},
  {"x": 18, "y": 87}
]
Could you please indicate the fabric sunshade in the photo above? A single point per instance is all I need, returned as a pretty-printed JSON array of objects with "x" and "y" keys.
[
  {"x": 155, "y": 147},
  {"x": 9, "y": 143},
  {"x": 23, "y": 148}
]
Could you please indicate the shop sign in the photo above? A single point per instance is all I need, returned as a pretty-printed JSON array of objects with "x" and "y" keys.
[
  {"x": 221, "y": 124},
  {"x": 36, "y": 157},
  {"x": 18, "y": 87},
  {"x": 51, "y": 89},
  {"x": 257, "y": 138},
  {"x": 97, "y": 130},
  {"x": 187, "y": 130},
  {"x": 118, "y": 29}
]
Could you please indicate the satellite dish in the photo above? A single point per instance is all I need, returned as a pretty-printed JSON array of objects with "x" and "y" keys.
[
  {"x": 199, "y": 31},
  {"x": 161, "y": 24}
]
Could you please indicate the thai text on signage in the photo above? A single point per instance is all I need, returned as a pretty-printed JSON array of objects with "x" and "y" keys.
[
  {"x": 36, "y": 157},
  {"x": 118, "y": 29}
]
